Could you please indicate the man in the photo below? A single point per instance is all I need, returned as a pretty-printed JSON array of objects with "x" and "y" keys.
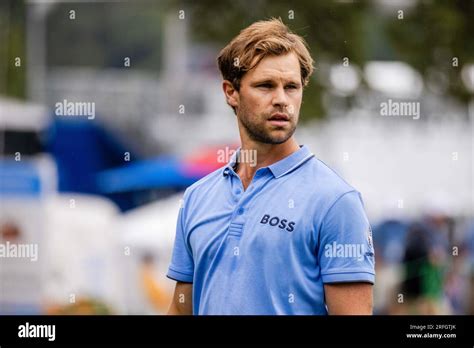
[{"x": 284, "y": 236}]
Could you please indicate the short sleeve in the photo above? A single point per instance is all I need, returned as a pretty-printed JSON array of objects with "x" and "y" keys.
[
  {"x": 182, "y": 263},
  {"x": 346, "y": 252}
]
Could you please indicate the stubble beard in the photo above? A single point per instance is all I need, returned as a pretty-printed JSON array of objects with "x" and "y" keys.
[{"x": 258, "y": 132}]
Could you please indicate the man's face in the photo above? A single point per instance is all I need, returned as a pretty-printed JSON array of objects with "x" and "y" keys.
[{"x": 269, "y": 100}]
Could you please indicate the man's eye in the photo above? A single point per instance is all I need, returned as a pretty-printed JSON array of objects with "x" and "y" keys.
[
  {"x": 291, "y": 86},
  {"x": 265, "y": 85}
]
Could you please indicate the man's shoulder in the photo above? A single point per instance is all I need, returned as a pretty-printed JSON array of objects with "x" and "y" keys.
[
  {"x": 327, "y": 184},
  {"x": 328, "y": 180},
  {"x": 329, "y": 188},
  {"x": 203, "y": 184}
]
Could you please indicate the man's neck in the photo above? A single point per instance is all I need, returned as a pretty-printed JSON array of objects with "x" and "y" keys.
[{"x": 266, "y": 154}]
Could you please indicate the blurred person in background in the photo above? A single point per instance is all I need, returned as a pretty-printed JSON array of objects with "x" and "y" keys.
[
  {"x": 470, "y": 266},
  {"x": 457, "y": 283},
  {"x": 389, "y": 241},
  {"x": 424, "y": 266},
  {"x": 156, "y": 295}
]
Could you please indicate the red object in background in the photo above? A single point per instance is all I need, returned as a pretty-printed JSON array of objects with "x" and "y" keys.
[{"x": 207, "y": 159}]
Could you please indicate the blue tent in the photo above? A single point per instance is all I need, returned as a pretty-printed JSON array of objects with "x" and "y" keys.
[{"x": 161, "y": 172}]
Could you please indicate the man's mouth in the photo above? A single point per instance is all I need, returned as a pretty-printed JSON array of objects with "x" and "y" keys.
[{"x": 279, "y": 119}]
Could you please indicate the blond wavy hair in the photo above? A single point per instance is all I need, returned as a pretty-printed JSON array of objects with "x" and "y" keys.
[{"x": 261, "y": 39}]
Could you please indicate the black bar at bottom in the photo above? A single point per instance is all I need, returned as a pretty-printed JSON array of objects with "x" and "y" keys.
[{"x": 143, "y": 330}]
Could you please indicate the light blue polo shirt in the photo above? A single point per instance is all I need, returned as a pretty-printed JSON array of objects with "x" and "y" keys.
[{"x": 269, "y": 249}]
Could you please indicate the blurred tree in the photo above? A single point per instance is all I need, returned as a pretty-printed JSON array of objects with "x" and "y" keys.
[
  {"x": 332, "y": 29},
  {"x": 433, "y": 36},
  {"x": 12, "y": 46},
  {"x": 436, "y": 38},
  {"x": 103, "y": 34}
]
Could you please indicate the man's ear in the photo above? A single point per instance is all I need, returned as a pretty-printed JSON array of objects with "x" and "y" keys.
[{"x": 231, "y": 94}]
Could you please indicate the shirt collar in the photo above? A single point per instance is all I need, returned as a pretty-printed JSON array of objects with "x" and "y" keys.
[
  {"x": 229, "y": 168},
  {"x": 279, "y": 168}
]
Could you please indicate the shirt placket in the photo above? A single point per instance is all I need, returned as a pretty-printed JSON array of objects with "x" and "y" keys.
[
  {"x": 241, "y": 200},
  {"x": 237, "y": 220}
]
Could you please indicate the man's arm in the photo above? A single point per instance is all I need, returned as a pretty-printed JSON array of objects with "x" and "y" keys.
[
  {"x": 349, "y": 298},
  {"x": 182, "y": 303}
]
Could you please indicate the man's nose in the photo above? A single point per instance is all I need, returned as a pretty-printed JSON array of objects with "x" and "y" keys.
[{"x": 280, "y": 98}]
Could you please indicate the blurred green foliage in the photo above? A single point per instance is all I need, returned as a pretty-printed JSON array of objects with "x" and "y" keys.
[
  {"x": 12, "y": 45},
  {"x": 333, "y": 30},
  {"x": 428, "y": 37},
  {"x": 431, "y": 35},
  {"x": 102, "y": 34}
]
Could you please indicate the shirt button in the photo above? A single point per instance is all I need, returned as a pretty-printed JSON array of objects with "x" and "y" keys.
[
  {"x": 240, "y": 211},
  {"x": 237, "y": 192}
]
